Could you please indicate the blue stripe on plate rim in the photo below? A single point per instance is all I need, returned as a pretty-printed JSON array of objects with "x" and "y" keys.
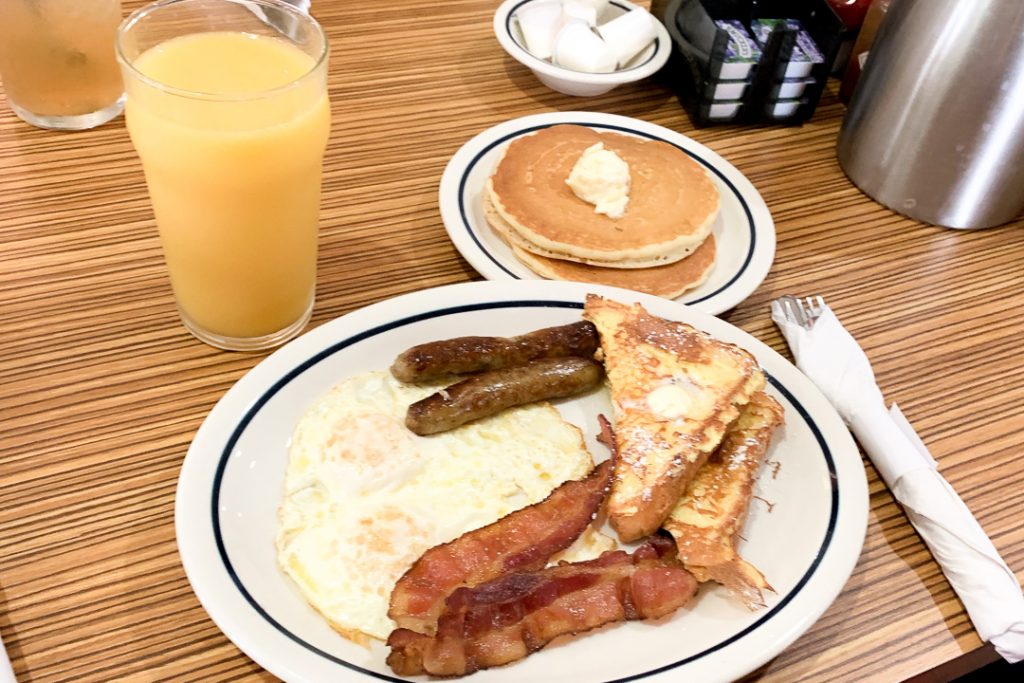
[
  {"x": 625, "y": 129},
  {"x": 508, "y": 29},
  {"x": 366, "y": 334}
]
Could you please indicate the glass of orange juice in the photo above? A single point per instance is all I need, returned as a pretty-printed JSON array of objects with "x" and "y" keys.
[
  {"x": 57, "y": 61},
  {"x": 227, "y": 108}
]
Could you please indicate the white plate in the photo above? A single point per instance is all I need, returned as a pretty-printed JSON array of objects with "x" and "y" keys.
[
  {"x": 232, "y": 479},
  {"x": 744, "y": 228}
]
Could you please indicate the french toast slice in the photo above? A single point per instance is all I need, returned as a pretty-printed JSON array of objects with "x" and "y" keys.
[
  {"x": 674, "y": 390},
  {"x": 707, "y": 520}
]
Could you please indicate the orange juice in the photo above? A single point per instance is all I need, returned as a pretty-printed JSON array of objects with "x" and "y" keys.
[{"x": 231, "y": 128}]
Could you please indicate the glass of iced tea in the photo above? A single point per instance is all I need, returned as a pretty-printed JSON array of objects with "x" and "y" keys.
[
  {"x": 227, "y": 108},
  {"x": 57, "y": 61}
]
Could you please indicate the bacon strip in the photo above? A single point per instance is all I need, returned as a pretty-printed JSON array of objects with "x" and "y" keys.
[
  {"x": 607, "y": 435},
  {"x": 507, "y": 619},
  {"x": 521, "y": 541}
]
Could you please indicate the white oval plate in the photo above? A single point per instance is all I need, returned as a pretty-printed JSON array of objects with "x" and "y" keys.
[
  {"x": 744, "y": 228},
  {"x": 232, "y": 480}
]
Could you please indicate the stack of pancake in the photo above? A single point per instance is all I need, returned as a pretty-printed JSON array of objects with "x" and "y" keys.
[{"x": 662, "y": 245}]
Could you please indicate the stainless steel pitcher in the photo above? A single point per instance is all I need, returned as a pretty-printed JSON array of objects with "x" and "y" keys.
[{"x": 935, "y": 128}]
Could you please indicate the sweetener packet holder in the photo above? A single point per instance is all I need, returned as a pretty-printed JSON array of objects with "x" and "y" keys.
[{"x": 750, "y": 61}]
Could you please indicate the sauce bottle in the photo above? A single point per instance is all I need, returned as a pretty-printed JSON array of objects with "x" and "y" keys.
[
  {"x": 872, "y": 20},
  {"x": 851, "y": 13}
]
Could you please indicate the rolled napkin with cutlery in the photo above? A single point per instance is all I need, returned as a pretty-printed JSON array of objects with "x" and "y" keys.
[{"x": 826, "y": 352}]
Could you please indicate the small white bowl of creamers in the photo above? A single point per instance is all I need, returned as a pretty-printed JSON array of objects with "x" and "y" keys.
[{"x": 582, "y": 47}]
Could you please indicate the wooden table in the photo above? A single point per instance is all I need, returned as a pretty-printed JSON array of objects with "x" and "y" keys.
[{"x": 103, "y": 389}]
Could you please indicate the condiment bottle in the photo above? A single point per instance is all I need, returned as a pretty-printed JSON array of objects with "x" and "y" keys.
[
  {"x": 851, "y": 13},
  {"x": 872, "y": 20}
]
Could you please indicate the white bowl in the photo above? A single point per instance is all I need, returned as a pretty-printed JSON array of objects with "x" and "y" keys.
[{"x": 579, "y": 83}]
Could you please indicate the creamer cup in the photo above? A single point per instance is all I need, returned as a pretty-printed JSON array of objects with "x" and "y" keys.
[
  {"x": 577, "y": 47},
  {"x": 539, "y": 23},
  {"x": 628, "y": 34}
]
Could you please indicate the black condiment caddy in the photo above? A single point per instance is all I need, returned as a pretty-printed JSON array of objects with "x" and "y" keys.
[{"x": 699, "y": 55}]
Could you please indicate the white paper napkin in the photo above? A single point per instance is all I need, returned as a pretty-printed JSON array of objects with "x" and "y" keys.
[
  {"x": 833, "y": 360},
  {"x": 6, "y": 672}
]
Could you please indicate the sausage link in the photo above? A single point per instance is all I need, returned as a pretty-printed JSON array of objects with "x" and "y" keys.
[
  {"x": 491, "y": 392},
  {"x": 462, "y": 355}
]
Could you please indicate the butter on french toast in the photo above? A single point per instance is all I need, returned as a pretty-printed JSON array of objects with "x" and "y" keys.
[
  {"x": 674, "y": 390},
  {"x": 707, "y": 520}
]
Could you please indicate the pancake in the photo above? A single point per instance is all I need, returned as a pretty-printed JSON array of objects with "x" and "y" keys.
[
  {"x": 673, "y": 201},
  {"x": 669, "y": 281}
]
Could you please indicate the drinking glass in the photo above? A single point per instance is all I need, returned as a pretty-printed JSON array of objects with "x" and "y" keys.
[
  {"x": 57, "y": 61},
  {"x": 227, "y": 108}
]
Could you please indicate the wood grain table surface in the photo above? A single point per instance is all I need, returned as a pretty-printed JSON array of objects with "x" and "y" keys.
[{"x": 102, "y": 388}]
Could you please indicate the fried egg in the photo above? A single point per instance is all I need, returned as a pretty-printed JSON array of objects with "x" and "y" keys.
[{"x": 365, "y": 497}]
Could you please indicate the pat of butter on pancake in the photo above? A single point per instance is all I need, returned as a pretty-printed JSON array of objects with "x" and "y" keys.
[{"x": 600, "y": 177}]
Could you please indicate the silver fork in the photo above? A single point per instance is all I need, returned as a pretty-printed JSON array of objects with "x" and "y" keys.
[{"x": 803, "y": 312}]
